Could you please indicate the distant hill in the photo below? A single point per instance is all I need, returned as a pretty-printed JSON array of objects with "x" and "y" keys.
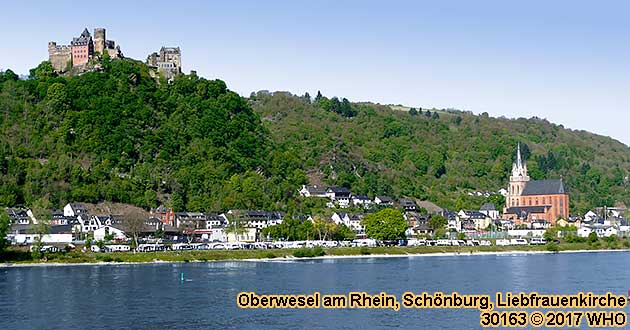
[
  {"x": 441, "y": 157},
  {"x": 119, "y": 135}
]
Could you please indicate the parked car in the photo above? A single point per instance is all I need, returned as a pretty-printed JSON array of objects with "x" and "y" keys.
[
  {"x": 518, "y": 241},
  {"x": 502, "y": 242},
  {"x": 537, "y": 241},
  {"x": 116, "y": 248}
]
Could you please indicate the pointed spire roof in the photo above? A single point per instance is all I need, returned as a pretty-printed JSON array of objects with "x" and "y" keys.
[{"x": 518, "y": 156}]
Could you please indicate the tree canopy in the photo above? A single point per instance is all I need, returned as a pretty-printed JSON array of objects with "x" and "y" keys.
[
  {"x": 121, "y": 135},
  {"x": 387, "y": 224}
]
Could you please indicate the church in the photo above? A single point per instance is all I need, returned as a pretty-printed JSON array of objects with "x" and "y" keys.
[{"x": 529, "y": 200}]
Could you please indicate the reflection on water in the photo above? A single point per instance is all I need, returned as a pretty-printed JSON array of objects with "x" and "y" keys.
[{"x": 153, "y": 296}]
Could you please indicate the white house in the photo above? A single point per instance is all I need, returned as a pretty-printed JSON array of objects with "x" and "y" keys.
[
  {"x": 19, "y": 216},
  {"x": 479, "y": 220},
  {"x": 312, "y": 191},
  {"x": 584, "y": 231},
  {"x": 590, "y": 216},
  {"x": 490, "y": 210},
  {"x": 540, "y": 224},
  {"x": 89, "y": 223},
  {"x": 57, "y": 234},
  {"x": 74, "y": 210},
  {"x": 249, "y": 235},
  {"x": 526, "y": 232},
  {"x": 100, "y": 233},
  {"x": 339, "y": 196},
  {"x": 454, "y": 223},
  {"x": 611, "y": 231},
  {"x": 361, "y": 201},
  {"x": 216, "y": 220},
  {"x": 352, "y": 221},
  {"x": 383, "y": 200}
]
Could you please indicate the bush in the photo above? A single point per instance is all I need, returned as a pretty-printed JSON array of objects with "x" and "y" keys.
[
  {"x": 552, "y": 247},
  {"x": 104, "y": 258},
  {"x": 571, "y": 238},
  {"x": 592, "y": 238},
  {"x": 270, "y": 255},
  {"x": 626, "y": 244},
  {"x": 317, "y": 251}
]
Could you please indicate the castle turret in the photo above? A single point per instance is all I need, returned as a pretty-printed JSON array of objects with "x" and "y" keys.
[{"x": 99, "y": 40}]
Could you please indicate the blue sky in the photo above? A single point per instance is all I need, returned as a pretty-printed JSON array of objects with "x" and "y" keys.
[{"x": 567, "y": 61}]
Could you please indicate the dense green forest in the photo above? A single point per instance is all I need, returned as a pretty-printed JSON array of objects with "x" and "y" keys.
[
  {"x": 122, "y": 136},
  {"x": 440, "y": 155}
]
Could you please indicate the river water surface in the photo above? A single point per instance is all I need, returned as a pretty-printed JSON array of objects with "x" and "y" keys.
[{"x": 153, "y": 296}]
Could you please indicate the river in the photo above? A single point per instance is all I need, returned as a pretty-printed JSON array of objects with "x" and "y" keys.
[{"x": 153, "y": 296}]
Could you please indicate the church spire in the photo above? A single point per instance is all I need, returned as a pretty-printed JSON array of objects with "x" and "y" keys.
[
  {"x": 518, "y": 156},
  {"x": 519, "y": 168}
]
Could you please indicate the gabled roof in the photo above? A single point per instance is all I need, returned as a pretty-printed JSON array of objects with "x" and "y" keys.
[
  {"x": 355, "y": 217},
  {"x": 83, "y": 39},
  {"x": 161, "y": 209},
  {"x": 360, "y": 197},
  {"x": 407, "y": 202},
  {"x": 385, "y": 199},
  {"x": 544, "y": 187},
  {"x": 474, "y": 214},
  {"x": 61, "y": 229},
  {"x": 78, "y": 207},
  {"x": 488, "y": 207},
  {"x": 316, "y": 190},
  {"x": 538, "y": 209},
  {"x": 339, "y": 190},
  {"x": 430, "y": 206}
]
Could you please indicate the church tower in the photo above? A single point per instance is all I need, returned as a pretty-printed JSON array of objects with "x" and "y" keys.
[{"x": 518, "y": 180}]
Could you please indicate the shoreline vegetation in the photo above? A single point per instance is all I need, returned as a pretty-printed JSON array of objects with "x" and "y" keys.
[{"x": 15, "y": 257}]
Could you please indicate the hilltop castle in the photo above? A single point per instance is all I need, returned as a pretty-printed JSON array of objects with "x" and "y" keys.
[
  {"x": 534, "y": 200},
  {"x": 168, "y": 61},
  {"x": 81, "y": 49}
]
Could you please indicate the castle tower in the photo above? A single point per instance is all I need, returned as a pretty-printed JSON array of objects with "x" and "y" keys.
[
  {"x": 518, "y": 180},
  {"x": 99, "y": 40}
]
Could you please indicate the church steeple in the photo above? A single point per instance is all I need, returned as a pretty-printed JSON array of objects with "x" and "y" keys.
[
  {"x": 519, "y": 168},
  {"x": 518, "y": 180},
  {"x": 518, "y": 155}
]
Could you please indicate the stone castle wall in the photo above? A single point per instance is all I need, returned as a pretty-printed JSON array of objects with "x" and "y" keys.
[{"x": 59, "y": 56}]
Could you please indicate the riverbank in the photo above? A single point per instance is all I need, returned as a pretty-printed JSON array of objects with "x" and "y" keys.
[{"x": 22, "y": 258}]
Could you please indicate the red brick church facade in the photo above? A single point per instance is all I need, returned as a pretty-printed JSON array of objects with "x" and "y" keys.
[{"x": 528, "y": 200}]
